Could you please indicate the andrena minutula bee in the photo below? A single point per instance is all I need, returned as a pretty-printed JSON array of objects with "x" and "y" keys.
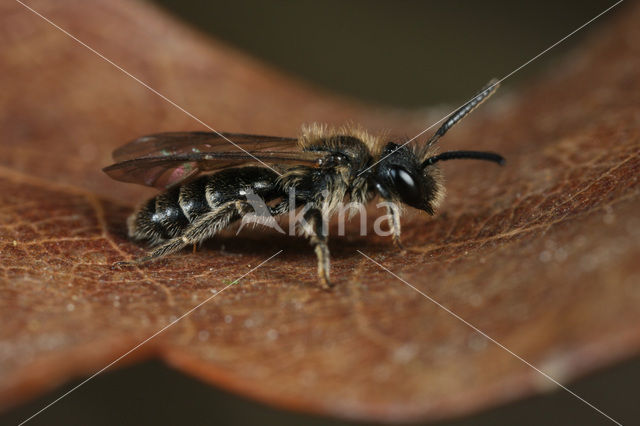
[{"x": 205, "y": 177}]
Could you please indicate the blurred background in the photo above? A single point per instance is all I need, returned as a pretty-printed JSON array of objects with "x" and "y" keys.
[
  {"x": 403, "y": 53},
  {"x": 397, "y": 53}
]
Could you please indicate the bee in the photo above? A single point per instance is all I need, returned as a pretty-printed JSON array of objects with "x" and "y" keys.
[{"x": 205, "y": 179}]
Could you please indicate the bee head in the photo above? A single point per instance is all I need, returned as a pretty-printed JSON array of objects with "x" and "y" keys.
[
  {"x": 409, "y": 175},
  {"x": 400, "y": 177}
]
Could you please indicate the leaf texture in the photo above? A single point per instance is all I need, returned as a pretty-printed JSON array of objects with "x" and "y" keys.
[{"x": 541, "y": 255}]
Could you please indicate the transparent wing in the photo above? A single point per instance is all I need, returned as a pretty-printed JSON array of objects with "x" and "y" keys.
[
  {"x": 175, "y": 143},
  {"x": 166, "y": 159}
]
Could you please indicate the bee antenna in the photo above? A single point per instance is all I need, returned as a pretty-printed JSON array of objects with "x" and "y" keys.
[
  {"x": 464, "y": 110},
  {"x": 459, "y": 155}
]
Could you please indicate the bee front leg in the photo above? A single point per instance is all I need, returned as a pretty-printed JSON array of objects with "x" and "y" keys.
[
  {"x": 314, "y": 229},
  {"x": 394, "y": 223}
]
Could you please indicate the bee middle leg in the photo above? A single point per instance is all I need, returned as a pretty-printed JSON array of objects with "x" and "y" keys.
[
  {"x": 314, "y": 229},
  {"x": 202, "y": 228}
]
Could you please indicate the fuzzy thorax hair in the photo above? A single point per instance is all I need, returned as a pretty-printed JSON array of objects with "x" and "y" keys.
[
  {"x": 320, "y": 134},
  {"x": 315, "y": 133}
]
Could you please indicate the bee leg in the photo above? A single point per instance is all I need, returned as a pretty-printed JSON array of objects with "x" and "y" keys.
[
  {"x": 317, "y": 236},
  {"x": 202, "y": 228},
  {"x": 394, "y": 223}
]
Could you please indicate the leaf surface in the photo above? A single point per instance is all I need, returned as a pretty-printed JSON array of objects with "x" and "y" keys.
[{"x": 541, "y": 255}]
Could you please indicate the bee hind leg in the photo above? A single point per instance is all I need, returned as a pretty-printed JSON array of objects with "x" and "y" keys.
[
  {"x": 317, "y": 234},
  {"x": 202, "y": 228}
]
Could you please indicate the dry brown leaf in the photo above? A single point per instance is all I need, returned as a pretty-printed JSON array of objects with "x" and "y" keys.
[{"x": 541, "y": 255}]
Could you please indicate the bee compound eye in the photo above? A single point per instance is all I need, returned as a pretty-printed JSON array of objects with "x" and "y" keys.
[{"x": 405, "y": 185}]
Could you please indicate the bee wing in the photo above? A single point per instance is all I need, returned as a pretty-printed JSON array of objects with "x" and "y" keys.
[
  {"x": 175, "y": 143},
  {"x": 166, "y": 159}
]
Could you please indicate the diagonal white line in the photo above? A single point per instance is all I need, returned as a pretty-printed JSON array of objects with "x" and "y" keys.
[
  {"x": 147, "y": 86},
  {"x": 500, "y": 345},
  {"x": 500, "y": 81},
  {"x": 146, "y": 340}
]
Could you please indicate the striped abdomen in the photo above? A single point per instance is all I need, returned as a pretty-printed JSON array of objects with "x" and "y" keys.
[{"x": 168, "y": 214}]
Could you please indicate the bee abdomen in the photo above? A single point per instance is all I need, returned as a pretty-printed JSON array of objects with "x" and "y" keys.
[
  {"x": 159, "y": 219},
  {"x": 235, "y": 184},
  {"x": 169, "y": 214},
  {"x": 193, "y": 199}
]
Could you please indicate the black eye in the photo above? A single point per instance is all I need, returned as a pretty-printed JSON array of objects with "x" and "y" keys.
[{"x": 405, "y": 186}]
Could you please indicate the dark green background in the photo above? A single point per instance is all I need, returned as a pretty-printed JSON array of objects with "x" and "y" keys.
[
  {"x": 411, "y": 53},
  {"x": 404, "y": 53}
]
